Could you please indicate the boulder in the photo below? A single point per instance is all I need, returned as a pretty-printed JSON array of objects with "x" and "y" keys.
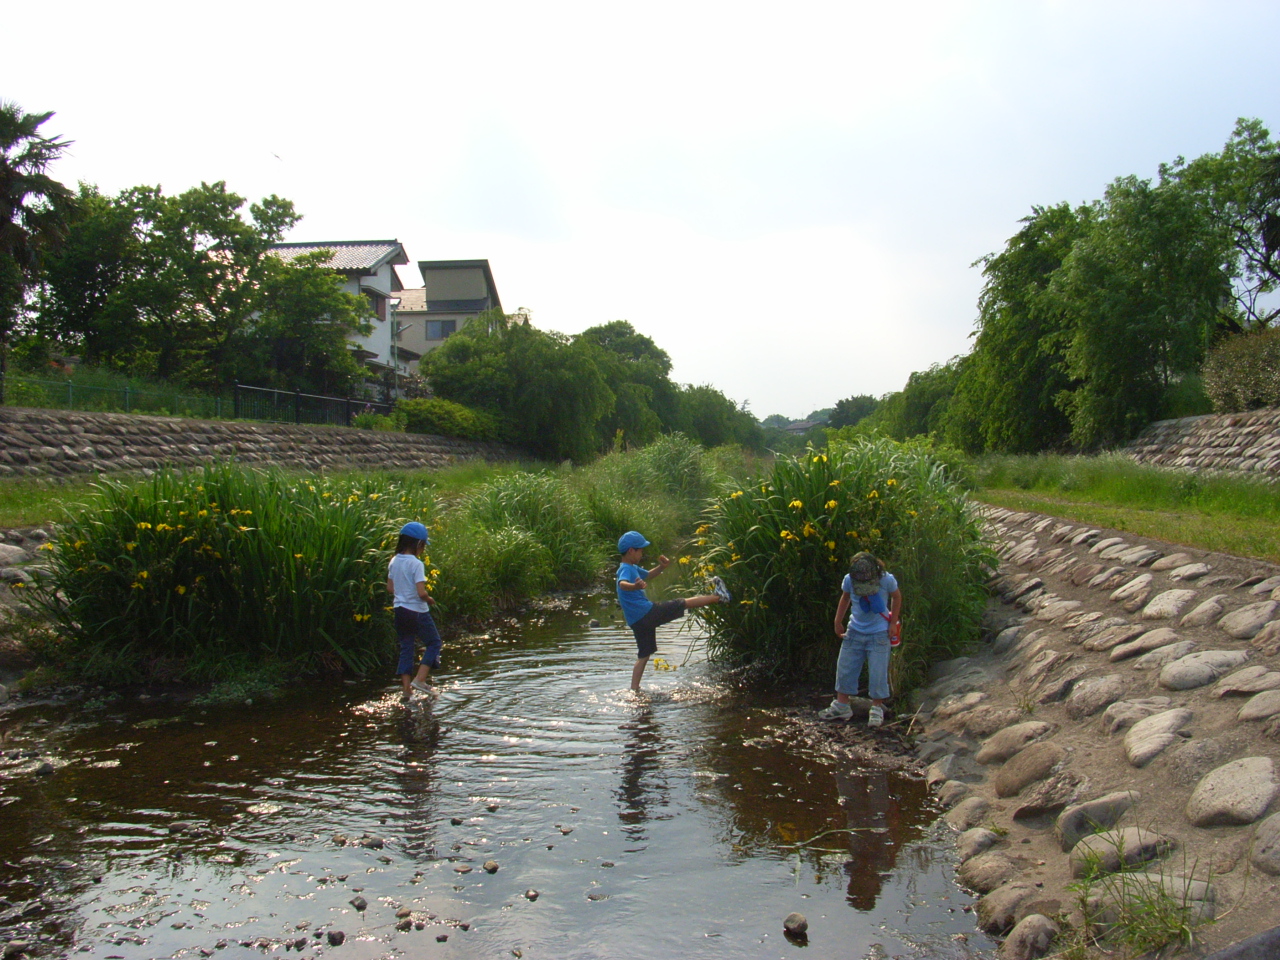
[
  {"x": 987, "y": 871},
  {"x": 1171, "y": 562},
  {"x": 1147, "y": 738},
  {"x": 1093, "y": 694},
  {"x": 974, "y": 841},
  {"x": 939, "y": 772},
  {"x": 1207, "y": 612},
  {"x": 1156, "y": 659},
  {"x": 1093, "y": 816},
  {"x": 1151, "y": 640},
  {"x": 1266, "y": 846},
  {"x": 1197, "y": 669},
  {"x": 1260, "y": 707},
  {"x": 1114, "y": 636},
  {"x": 1010, "y": 740},
  {"x": 968, "y": 813},
  {"x": 1248, "y": 620},
  {"x": 1030, "y": 939},
  {"x": 1114, "y": 850},
  {"x": 1247, "y": 681},
  {"x": 1267, "y": 640},
  {"x": 1085, "y": 572},
  {"x": 1140, "y": 556},
  {"x": 958, "y": 703},
  {"x": 1106, "y": 544},
  {"x": 1167, "y": 604},
  {"x": 952, "y": 792},
  {"x": 1051, "y": 795},
  {"x": 9, "y": 555},
  {"x": 1236, "y": 793},
  {"x": 1264, "y": 586},
  {"x": 1133, "y": 595},
  {"x": 985, "y": 721},
  {"x": 1031, "y": 764},
  {"x": 1122, "y": 715},
  {"x": 1057, "y": 610},
  {"x": 1004, "y": 906},
  {"x": 1005, "y": 639}
]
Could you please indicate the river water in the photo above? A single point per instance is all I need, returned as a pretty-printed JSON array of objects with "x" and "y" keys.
[{"x": 661, "y": 827}]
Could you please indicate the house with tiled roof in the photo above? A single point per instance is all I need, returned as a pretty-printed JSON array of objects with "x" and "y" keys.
[
  {"x": 452, "y": 292},
  {"x": 368, "y": 267}
]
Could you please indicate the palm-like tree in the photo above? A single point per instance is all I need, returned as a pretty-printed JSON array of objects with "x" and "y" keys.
[{"x": 33, "y": 208}]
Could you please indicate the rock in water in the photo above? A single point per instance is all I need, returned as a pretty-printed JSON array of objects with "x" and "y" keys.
[{"x": 796, "y": 924}]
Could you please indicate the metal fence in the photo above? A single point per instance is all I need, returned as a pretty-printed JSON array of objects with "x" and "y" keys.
[{"x": 244, "y": 402}]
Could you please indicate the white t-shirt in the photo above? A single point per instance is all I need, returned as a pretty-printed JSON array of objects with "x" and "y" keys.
[{"x": 405, "y": 573}]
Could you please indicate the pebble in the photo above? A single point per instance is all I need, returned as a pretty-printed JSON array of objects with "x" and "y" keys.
[
  {"x": 360, "y": 903},
  {"x": 490, "y": 866},
  {"x": 1236, "y": 793},
  {"x": 335, "y": 938},
  {"x": 1031, "y": 939},
  {"x": 796, "y": 924},
  {"x": 531, "y": 894}
]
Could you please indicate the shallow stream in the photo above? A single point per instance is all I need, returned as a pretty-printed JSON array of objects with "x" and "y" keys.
[{"x": 658, "y": 827}]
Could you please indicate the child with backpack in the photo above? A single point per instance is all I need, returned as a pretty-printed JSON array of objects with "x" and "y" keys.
[{"x": 871, "y": 597}]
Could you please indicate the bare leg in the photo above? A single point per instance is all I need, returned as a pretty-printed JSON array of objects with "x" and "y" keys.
[
  {"x": 637, "y": 672},
  {"x": 404, "y": 681},
  {"x": 423, "y": 672},
  {"x": 691, "y": 603}
]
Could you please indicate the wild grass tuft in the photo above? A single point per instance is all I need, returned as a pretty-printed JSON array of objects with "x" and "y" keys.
[{"x": 783, "y": 546}]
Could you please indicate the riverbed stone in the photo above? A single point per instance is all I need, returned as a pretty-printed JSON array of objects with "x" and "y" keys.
[
  {"x": 1005, "y": 639},
  {"x": 968, "y": 813},
  {"x": 1266, "y": 846},
  {"x": 1093, "y": 816},
  {"x": 796, "y": 924},
  {"x": 1189, "y": 761},
  {"x": 1123, "y": 714},
  {"x": 939, "y": 772},
  {"x": 1267, "y": 640},
  {"x": 1248, "y": 620},
  {"x": 1113, "y": 850},
  {"x": 974, "y": 841},
  {"x": 1156, "y": 659},
  {"x": 1200, "y": 668},
  {"x": 1010, "y": 740},
  {"x": 1151, "y": 640},
  {"x": 987, "y": 871},
  {"x": 957, "y": 703},
  {"x": 1031, "y": 764},
  {"x": 1261, "y": 706},
  {"x": 1190, "y": 571},
  {"x": 1148, "y": 737},
  {"x": 1004, "y": 906},
  {"x": 1049, "y": 796},
  {"x": 1172, "y": 562},
  {"x": 1207, "y": 612},
  {"x": 1084, "y": 573},
  {"x": 1093, "y": 694},
  {"x": 1114, "y": 636},
  {"x": 1247, "y": 681},
  {"x": 1260, "y": 586},
  {"x": 1166, "y": 605},
  {"x": 1111, "y": 578},
  {"x": 1235, "y": 794},
  {"x": 987, "y": 720},
  {"x": 1106, "y": 543},
  {"x": 1030, "y": 939},
  {"x": 1133, "y": 595},
  {"x": 1140, "y": 556},
  {"x": 953, "y": 792},
  {"x": 9, "y": 555}
]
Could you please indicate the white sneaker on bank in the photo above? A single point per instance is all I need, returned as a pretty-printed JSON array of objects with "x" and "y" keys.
[
  {"x": 876, "y": 716},
  {"x": 837, "y": 711}
]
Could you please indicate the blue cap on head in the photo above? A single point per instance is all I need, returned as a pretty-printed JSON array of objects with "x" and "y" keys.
[
  {"x": 416, "y": 530},
  {"x": 632, "y": 538}
]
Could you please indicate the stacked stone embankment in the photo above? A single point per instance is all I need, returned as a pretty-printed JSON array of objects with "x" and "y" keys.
[
  {"x": 1123, "y": 722},
  {"x": 1239, "y": 442},
  {"x": 46, "y": 443}
]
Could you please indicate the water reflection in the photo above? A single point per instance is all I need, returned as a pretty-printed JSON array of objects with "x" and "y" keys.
[
  {"x": 643, "y": 783},
  {"x": 873, "y": 815}
]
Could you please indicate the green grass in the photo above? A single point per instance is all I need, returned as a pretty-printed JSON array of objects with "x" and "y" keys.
[{"x": 1229, "y": 514}]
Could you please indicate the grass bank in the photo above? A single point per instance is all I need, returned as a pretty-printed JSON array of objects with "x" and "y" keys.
[{"x": 1228, "y": 514}]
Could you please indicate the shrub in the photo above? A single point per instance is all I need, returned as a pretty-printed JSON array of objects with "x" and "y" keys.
[
  {"x": 210, "y": 574},
  {"x": 449, "y": 419},
  {"x": 1243, "y": 372},
  {"x": 783, "y": 545},
  {"x": 393, "y": 423}
]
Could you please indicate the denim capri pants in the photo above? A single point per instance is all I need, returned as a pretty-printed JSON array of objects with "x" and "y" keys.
[
  {"x": 414, "y": 627},
  {"x": 857, "y": 648}
]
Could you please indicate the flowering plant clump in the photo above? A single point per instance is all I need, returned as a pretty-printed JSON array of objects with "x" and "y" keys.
[
  {"x": 223, "y": 569},
  {"x": 783, "y": 545}
]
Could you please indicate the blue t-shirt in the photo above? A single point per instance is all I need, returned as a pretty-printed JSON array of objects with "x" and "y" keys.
[
  {"x": 633, "y": 602},
  {"x": 871, "y": 620}
]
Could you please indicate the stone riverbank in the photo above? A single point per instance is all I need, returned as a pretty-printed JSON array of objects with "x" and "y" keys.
[
  {"x": 1237, "y": 442},
  {"x": 1125, "y": 713},
  {"x": 65, "y": 443}
]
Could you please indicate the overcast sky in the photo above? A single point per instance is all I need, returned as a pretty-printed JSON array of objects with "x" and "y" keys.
[{"x": 787, "y": 198}]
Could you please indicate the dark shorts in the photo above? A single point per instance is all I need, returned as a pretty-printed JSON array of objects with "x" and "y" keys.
[
  {"x": 414, "y": 627},
  {"x": 646, "y": 628}
]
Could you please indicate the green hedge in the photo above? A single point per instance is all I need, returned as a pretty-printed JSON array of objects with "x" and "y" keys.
[
  {"x": 1243, "y": 372},
  {"x": 448, "y": 419}
]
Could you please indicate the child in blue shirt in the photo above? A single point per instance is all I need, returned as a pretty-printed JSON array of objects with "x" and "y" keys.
[
  {"x": 642, "y": 614},
  {"x": 407, "y": 583},
  {"x": 874, "y": 603}
]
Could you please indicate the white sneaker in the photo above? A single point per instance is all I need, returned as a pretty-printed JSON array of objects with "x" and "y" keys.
[
  {"x": 876, "y": 716},
  {"x": 426, "y": 688},
  {"x": 837, "y": 711},
  {"x": 720, "y": 590}
]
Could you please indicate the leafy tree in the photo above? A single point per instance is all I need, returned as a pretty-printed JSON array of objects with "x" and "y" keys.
[
  {"x": 1007, "y": 398},
  {"x": 848, "y": 412},
  {"x": 920, "y": 408},
  {"x": 1240, "y": 189},
  {"x": 33, "y": 208},
  {"x": 775, "y": 421},
  {"x": 1144, "y": 291},
  {"x": 713, "y": 419},
  {"x": 636, "y": 370}
]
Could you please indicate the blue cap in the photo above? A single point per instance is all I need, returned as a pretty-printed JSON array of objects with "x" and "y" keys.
[
  {"x": 632, "y": 538},
  {"x": 416, "y": 530}
]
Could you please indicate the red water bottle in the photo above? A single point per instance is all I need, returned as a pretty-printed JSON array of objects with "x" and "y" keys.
[{"x": 895, "y": 633}]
